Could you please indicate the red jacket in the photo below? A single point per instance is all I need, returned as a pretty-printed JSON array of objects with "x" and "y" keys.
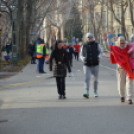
[
  {"x": 65, "y": 46},
  {"x": 121, "y": 57},
  {"x": 77, "y": 47}
]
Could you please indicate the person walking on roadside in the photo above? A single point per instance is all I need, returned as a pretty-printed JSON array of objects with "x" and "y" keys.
[
  {"x": 8, "y": 48},
  {"x": 77, "y": 50},
  {"x": 91, "y": 53},
  {"x": 31, "y": 51},
  {"x": 41, "y": 53},
  {"x": 119, "y": 55},
  {"x": 70, "y": 54},
  {"x": 37, "y": 65},
  {"x": 59, "y": 68}
]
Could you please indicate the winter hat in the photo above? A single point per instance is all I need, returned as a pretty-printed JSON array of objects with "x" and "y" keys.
[
  {"x": 89, "y": 35},
  {"x": 132, "y": 38}
]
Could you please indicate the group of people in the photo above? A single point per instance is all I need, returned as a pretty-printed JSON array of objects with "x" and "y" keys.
[
  {"x": 72, "y": 50},
  {"x": 121, "y": 54},
  {"x": 90, "y": 54}
]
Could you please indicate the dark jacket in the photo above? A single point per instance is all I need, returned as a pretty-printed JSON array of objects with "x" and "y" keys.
[
  {"x": 70, "y": 53},
  {"x": 90, "y": 52},
  {"x": 58, "y": 56},
  {"x": 31, "y": 50}
]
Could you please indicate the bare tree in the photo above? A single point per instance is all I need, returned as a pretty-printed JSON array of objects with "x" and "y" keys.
[
  {"x": 131, "y": 10},
  {"x": 94, "y": 16},
  {"x": 122, "y": 4},
  {"x": 62, "y": 13}
]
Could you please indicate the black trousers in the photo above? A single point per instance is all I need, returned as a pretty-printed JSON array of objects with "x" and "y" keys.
[
  {"x": 60, "y": 85},
  {"x": 71, "y": 62},
  {"x": 33, "y": 60},
  {"x": 76, "y": 55}
]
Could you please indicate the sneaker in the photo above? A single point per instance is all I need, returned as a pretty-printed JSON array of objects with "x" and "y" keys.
[
  {"x": 86, "y": 95},
  {"x": 122, "y": 99},
  {"x": 42, "y": 72},
  {"x": 60, "y": 97},
  {"x": 95, "y": 94},
  {"x": 37, "y": 71},
  {"x": 129, "y": 102},
  {"x": 64, "y": 97}
]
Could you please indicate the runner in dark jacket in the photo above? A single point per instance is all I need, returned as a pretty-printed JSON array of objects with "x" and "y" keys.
[{"x": 70, "y": 54}]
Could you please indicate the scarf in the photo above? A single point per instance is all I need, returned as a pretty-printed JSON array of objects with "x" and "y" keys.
[{"x": 121, "y": 57}]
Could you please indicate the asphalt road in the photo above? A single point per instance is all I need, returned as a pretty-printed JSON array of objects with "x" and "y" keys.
[{"x": 30, "y": 105}]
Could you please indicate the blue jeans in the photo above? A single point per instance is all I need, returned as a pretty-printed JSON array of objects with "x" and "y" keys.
[{"x": 41, "y": 65}]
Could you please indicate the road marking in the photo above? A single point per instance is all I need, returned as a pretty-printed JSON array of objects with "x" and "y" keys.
[
  {"x": 107, "y": 67},
  {"x": 17, "y": 84}
]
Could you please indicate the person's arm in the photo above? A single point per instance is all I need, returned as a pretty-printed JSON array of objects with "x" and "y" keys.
[
  {"x": 100, "y": 51},
  {"x": 51, "y": 59},
  {"x": 82, "y": 57},
  {"x": 105, "y": 38},
  {"x": 67, "y": 62},
  {"x": 107, "y": 46}
]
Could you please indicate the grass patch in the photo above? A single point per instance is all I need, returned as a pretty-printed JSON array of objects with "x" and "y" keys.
[{"x": 7, "y": 66}]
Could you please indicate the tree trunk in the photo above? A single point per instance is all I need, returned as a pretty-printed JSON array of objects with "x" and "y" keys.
[
  {"x": 21, "y": 29},
  {"x": 131, "y": 11},
  {"x": 59, "y": 34},
  {"x": 123, "y": 27}
]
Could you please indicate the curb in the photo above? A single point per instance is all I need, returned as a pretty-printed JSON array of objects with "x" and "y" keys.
[{"x": 8, "y": 73}]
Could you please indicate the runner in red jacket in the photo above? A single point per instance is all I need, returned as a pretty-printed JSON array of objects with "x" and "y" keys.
[{"x": 77, "y": 50}]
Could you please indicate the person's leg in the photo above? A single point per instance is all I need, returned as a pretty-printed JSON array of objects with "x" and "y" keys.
[
  {"x": 121, "y": 75},
  {"x": 129, "y": 87},
  {"x": 95, "y": 72},
  {"x": 87, "y": 78},
  {"x": 77, "y": 56},
  {"x": 37, "y": 66},
  {"x": 42, "y": 64},
  {"x": 58, "y": 85},
  {"x": 71, "y": 62},
  {"x": 31, "y": 60},
  {"x": 63, "y": 86},
  {"x": 34, "y": 60}
]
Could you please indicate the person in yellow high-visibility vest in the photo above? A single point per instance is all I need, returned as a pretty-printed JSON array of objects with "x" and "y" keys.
[
  {"x": 47, "y": 53},
  {"x": 41, "y": 54}
]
